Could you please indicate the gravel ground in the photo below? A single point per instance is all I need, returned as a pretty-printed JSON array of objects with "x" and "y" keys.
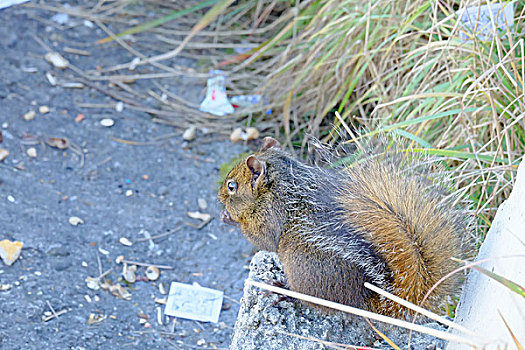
[{"x": 117, "y": 189}]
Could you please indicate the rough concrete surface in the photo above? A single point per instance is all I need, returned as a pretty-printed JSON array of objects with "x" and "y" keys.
[
  {"x": 265, "y": 322},
  {"x": 486, "y": 304}
]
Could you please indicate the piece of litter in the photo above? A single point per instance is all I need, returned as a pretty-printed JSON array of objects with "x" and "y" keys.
[
  {"x": 56, "y": 60},
  {"x": 88, "y": 298},
  {"x": 75, "y": 221},
  {"x": 483, "y": 21},
  {"x": 88, "y": 24},
  {"x": 11, "y": 199},
  {"x": 189, "y": 133},
  {"x": 125, "y": 241},
  {"x": 31, "y": 152},
  {"x": 212, "y": 236},
  {"x": 216, "y": 101},
  {"x": 201, "y": 342},
  {"x": 84, "y": 264},
  {"x": 245, "y": 100},
  {"x": 92, "y": 283},
  {"x": 43, "y": 109},
  {"x": 129, "y": 193},
  {"x": 194, "y": 302},
  {"x": 107, "y": 122},
  {"x": 10, "y": 251}
]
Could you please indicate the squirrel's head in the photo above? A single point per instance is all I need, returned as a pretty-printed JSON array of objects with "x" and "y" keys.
[{"x": 243, "y": 185}]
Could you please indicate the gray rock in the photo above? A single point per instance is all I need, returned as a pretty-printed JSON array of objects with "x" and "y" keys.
[{"x": 265, "y": 322}]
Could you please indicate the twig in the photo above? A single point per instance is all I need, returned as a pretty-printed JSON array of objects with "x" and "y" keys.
[
  {"x": 54, "y": 315},
  {"x": 165, "y": 267},
  {"x": 367, "y": 314},
  {"x": 418, "y": 309}
]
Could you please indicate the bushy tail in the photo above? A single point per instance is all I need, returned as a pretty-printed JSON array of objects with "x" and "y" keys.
[{"x": 412, "y": 221}]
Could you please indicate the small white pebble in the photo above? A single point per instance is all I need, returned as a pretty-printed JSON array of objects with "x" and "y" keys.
[
  {"x": 38, "y": 273},
  {"x": 103, "y": 251},
  {"x": 31, "y": 152},
  {"x": 84, "y": 264},
  {"x": 129, "y": 193},
  {"x": 107, "y": 122},
  {"x": 11, "y": 198},
  {"x": 119, "y": 107}
]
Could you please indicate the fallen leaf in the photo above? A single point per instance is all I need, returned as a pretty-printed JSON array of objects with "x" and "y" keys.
[
  {"x": 10, "y": 251},
  {"x": 3, "y": 154}
]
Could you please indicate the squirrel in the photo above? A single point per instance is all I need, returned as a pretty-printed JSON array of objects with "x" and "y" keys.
[{"x": 333, "y": 230}]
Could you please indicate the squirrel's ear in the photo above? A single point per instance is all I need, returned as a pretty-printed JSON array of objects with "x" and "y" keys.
[
  {"x": 257, "y": 168},
  {"x": 269, "y": 142}
]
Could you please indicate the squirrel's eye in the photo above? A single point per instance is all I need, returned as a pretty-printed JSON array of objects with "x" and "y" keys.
[{"x": 232, "y": 186}]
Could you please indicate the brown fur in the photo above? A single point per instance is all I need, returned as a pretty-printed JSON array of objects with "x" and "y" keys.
[{"x": 376, "y": 221}]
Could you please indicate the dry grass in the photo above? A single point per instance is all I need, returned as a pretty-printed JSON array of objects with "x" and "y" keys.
[{"x": 392, "y": 67}]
